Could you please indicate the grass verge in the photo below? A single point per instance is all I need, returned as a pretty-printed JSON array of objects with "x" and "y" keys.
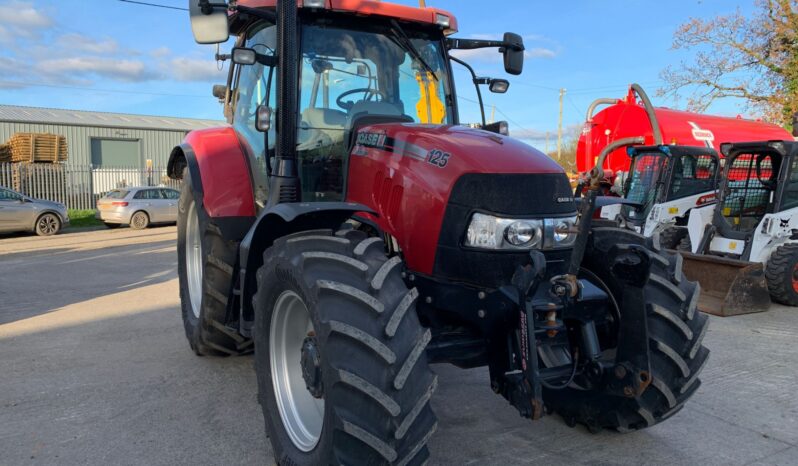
[{"x": 83, "y": 218}]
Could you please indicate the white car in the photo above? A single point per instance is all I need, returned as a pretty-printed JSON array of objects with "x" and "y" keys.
[{"x": 138, "y": 207}]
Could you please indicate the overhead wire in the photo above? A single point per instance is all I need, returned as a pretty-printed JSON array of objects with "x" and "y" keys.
[{"x": 158, "y": 5}]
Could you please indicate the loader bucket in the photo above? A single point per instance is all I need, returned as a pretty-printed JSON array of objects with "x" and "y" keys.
[{"x": 729, "y": 287}]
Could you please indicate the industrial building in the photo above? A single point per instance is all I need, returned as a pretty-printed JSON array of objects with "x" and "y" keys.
[{"x": 101, "y": 139}]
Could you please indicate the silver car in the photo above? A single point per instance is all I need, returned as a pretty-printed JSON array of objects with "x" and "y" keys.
[
  {"x": 19, "y": 212},
  {"x": 138, "y": 207}
]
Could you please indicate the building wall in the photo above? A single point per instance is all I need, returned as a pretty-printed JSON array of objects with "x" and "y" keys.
[{"x": 155, "y": 145}]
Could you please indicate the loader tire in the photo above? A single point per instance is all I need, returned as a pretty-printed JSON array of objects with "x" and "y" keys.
[
  {"x": 670, "y": 237},
  {"x": 782, "y": 274},
  {"x": 676, "y": 332},
  {"x": 207, "y": 260},
  {"x": 357, "y": 348}
]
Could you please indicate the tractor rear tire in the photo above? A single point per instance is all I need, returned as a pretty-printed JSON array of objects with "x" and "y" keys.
[
  {"x": 206, "y": 264},
  {"x": 676, "y": 332},
  {"x": 670, "y": 237},
  {"x": 362, "y": 353},
  {"x": 782, "y": 274}
]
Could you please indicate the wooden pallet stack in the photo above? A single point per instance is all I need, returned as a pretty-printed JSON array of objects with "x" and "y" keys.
[
  {"x": 5, "y": 153},
  {"x": 38, "y": 148}
]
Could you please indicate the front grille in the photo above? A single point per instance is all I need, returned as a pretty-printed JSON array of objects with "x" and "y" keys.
[{"x": 512, "y": 195}]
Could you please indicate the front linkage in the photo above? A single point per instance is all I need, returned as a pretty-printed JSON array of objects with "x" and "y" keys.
[{"x": 545, "y": 312}]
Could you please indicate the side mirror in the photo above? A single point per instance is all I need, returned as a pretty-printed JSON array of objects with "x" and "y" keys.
[
  {"x": 513, "y": 51},
  {"x": 263, "y": 118},
  {"x": 244, "y": 56},
  {"x": 220, "y": 91},
  {"x": 208, "y": 21},
  {"x": 499, "y": 86}
]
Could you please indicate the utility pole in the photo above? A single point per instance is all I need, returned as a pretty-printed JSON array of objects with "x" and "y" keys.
[
  {"x": 493, "y": 114},
  {"x": 547, "y": 143},
  {"x": 559, "y": 127}
]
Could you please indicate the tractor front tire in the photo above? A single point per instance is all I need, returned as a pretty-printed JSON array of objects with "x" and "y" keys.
[
  {"x": 670, "y": 237},
  {"x": 340, "y": 353},
  {"x": 676, "y": 332},
  {"x": 205, "y": 270},
  {"x": 782, "y": 274}
]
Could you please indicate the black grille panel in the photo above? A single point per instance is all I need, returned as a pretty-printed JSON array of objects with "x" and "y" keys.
[{"x": 514, "y": 195}]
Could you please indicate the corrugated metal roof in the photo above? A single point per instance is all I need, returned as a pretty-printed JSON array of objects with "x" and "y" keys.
[{"x": 53, "y": 116}]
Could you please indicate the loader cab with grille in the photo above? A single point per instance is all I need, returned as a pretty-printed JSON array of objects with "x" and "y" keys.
[
  {"x": 745, "y": 251},
  {"x": 663, "y": 185}
]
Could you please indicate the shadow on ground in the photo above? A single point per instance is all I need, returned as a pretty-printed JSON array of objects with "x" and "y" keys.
[{"x": 68, "y": 276}]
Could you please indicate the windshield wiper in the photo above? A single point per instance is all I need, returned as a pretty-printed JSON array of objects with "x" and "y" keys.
[{"x": 402, "y": 40}]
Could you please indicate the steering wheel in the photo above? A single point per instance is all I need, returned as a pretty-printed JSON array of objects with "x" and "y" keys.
[{"x": 368, "y": 94}]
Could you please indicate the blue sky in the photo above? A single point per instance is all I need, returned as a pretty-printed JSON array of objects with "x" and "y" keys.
[{"x": 107, "y": 55}]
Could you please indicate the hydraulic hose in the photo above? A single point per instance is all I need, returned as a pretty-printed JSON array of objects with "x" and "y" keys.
[
  {"x": 652, "y": 116},
  {"x": 588, "y": 206},
  {"x": 595, "y": 104}
]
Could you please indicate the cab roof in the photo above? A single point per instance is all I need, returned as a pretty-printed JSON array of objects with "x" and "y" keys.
[{"x": 372, "y": 7}]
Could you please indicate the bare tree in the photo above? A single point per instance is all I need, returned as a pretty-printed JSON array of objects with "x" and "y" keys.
[{"x": 752, "y": 58}]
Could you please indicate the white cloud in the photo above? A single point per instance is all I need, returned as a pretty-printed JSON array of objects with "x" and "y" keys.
[
  {"x": 493, "y": 55},
  {"x": 6, "y": 36},
  {"x": 161, "y": 52},
  {"x": 123, "y": 70},
  {"x": 193, "y": 69},
  {"x": 23, "y": 15},
  {"x": 79, "y": 42},
  {"x": 540, "y": 52}
]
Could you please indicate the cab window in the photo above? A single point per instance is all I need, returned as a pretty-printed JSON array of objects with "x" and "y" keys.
[
  {"x": 791, "y": 190},
  {"x": 353, "y": 77},
  {"x": 257, "y": 85},
  {"x": 693, "y": 174}
]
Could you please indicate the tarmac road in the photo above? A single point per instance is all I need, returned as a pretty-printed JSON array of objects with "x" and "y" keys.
[{"x": 95, "y": 369}]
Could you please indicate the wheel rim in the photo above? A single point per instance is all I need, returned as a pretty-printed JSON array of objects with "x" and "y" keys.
[
  {"x": 302, "y": 414},
  {"x": 139, "y": 220},
  {"x": 194, "y": 261},
  {"x": 48, "y": 224}
]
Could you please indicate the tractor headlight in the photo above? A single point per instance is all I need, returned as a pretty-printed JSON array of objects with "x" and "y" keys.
[
  {"x": 489, "y": 232},
  {"x": 560, "y": 233}
]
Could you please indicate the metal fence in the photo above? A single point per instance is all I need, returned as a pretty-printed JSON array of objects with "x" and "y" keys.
[{"x": 78, "y": 187}]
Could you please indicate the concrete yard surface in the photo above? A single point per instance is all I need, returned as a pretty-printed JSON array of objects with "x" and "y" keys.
[{"x": 95, "y": 369}]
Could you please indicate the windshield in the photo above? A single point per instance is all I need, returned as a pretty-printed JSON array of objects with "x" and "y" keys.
[
  {"x": 354, "y": 77},
  {"x": 643, "y": 183}
]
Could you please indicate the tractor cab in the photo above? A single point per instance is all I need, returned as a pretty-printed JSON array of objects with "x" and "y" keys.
[
  {"x": 664, "y": 183},
  {"x": 349, "y": 73}
]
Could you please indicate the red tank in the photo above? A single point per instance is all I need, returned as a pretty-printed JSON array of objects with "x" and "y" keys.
[{"x": 628, "y": 118}]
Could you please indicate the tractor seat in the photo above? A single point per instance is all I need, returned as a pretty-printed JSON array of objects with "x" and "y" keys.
[
  {"x": 372, "y": 113},
  {"x": 320, "y": 127},
  {"x": 363, "y": 108}
]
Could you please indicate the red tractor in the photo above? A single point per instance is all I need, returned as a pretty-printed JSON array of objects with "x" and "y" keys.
[{"x": 347, "y": 229}]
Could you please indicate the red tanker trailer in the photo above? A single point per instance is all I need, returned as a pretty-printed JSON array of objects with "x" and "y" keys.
[{"x": 634, "y": 116}]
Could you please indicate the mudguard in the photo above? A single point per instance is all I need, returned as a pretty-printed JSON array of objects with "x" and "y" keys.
[
  {"x": 278, "y": 221},
  {"x": 221, "y": 178}
]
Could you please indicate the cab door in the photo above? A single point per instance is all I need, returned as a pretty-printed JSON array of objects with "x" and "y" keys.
[{"x": 256, "y": 85}]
